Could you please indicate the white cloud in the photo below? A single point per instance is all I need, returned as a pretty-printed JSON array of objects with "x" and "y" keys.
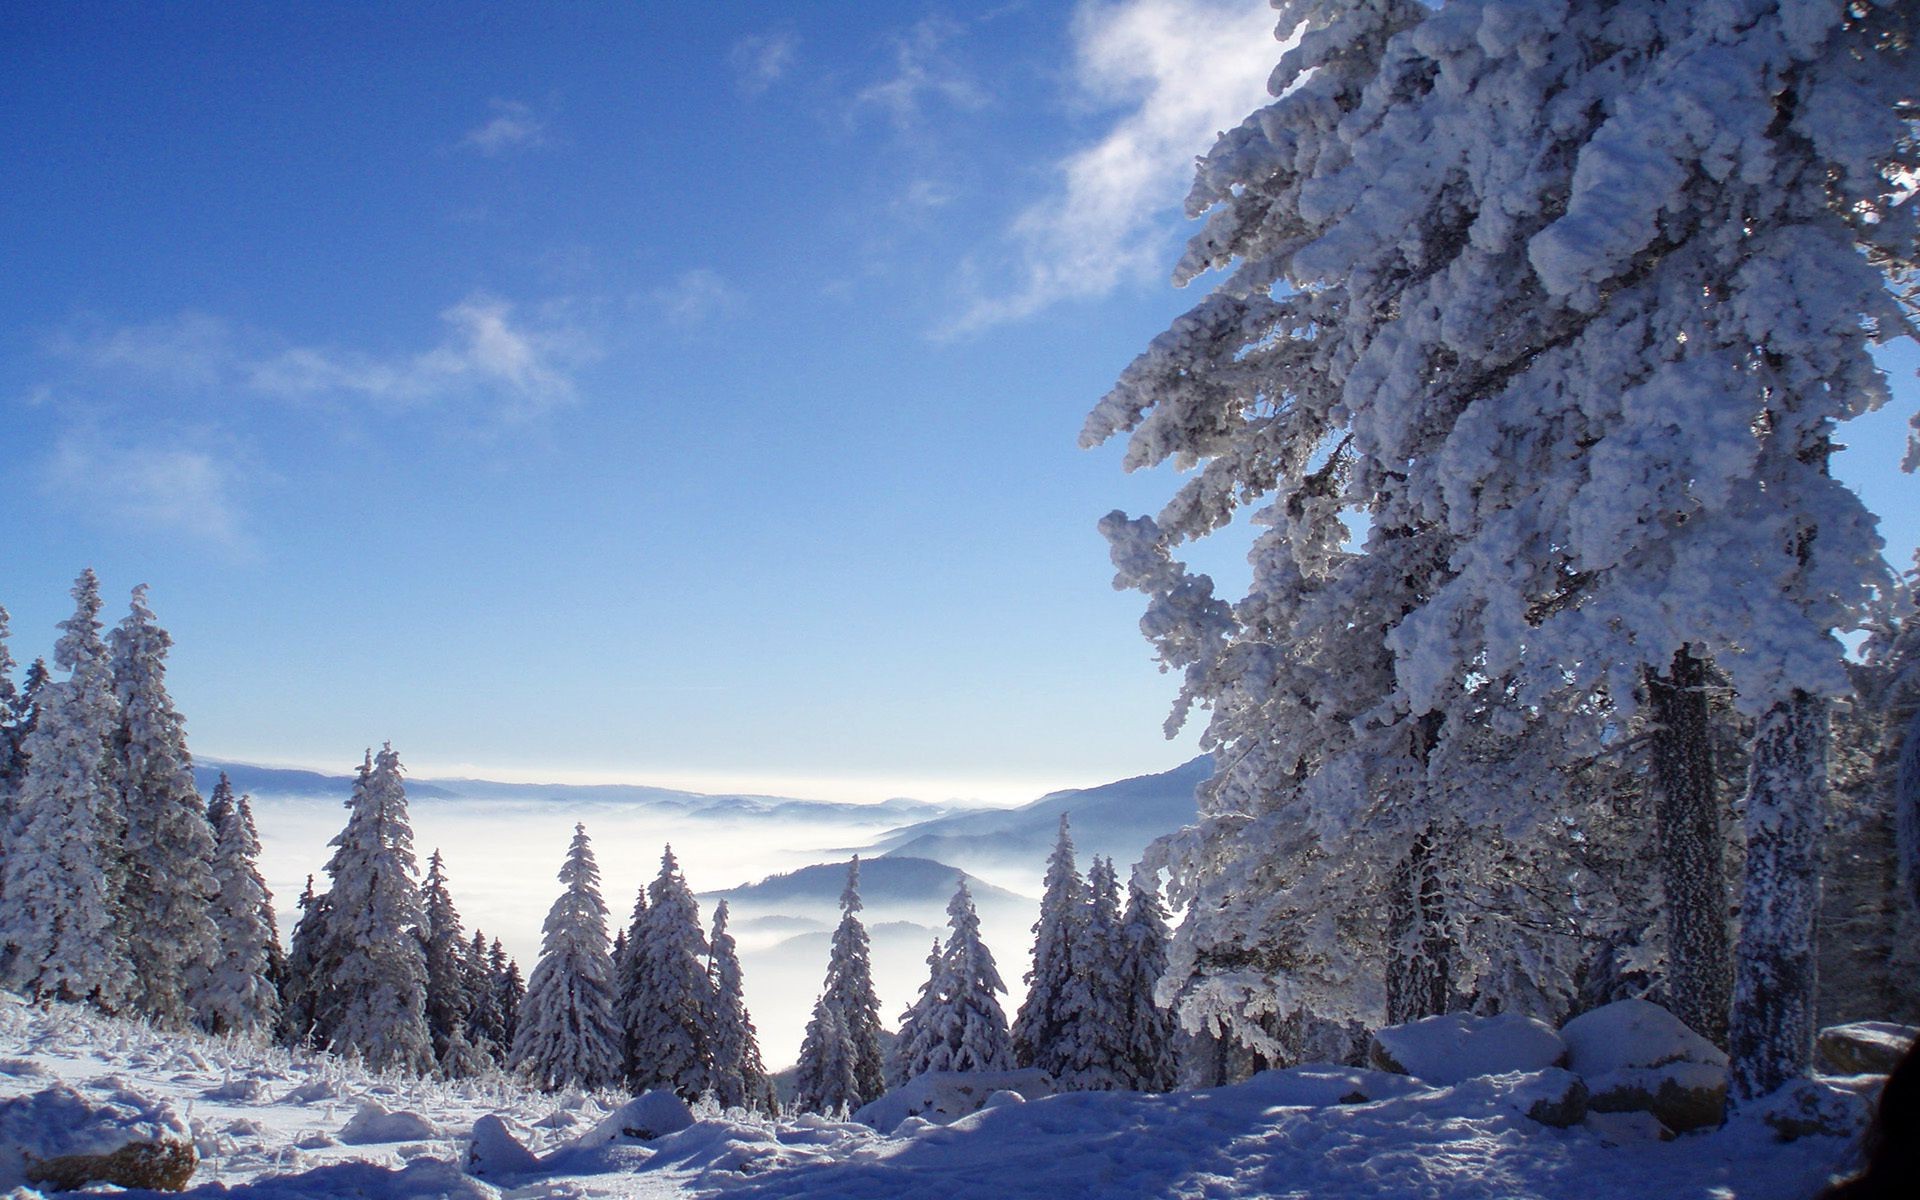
[
  {"x": 515, "y": 126},
  {"x": 697, "y": 296},
  {"x": 485, "y": 356},
  {"x": 1183, "y": 70},
  {"x": 923, "y": 69},
  {"x": 762, "y": 60},
  {"x": 167, "y": 488}
]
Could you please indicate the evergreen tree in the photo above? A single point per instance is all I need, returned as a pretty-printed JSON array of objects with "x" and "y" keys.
[
  {"x": 304, "y": 1016},
  {"x": 448, "y": 999},
  {"x": 509, "y": 992},
  {"x": 739, "y": 1076},
  {"x": 567, "y": 1034},
  {"x": 849, "y": 982},
  {"x": 823, "y": 1079},
  {"x": 377, "y": 994},
  {"x": 666, "y": 997},
  {"x": 62, "y": 864},
  {"x": 968, "y": 1026},
  {"x": 239, "y": 997},
  {"x": 918, "y": 1026},
  {"x": 1149, "y": 1060},
  {"x": 1040, "y": 1030},
  {"x": 166, "y": 919},
  {"x": 1094, "y": 1047},
  {"x": 485, "y": 1022}
]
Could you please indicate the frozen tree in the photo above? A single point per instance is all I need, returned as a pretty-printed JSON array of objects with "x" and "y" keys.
[
  {"x": 509, "y": 992},
  {"x": 61, "y": 886},
  {"x": 823, "y": 1080},
  {"x": 449, "y": 1002},
  {"x": 965, "y": 1027},
  {"x": 376, "y": 996},
  {"x": 1148, "y": 1063},
  {"x": 1094, "y": 1042},
  {"x": 1040, "y": 1029},
  {"x": 485, "y": 1022},
  {"x": 908, "y": 1055},
  {"x": 239, "y": 997},
  {"x": 568, "y": 1035},
  {"x": 739, "y": 1076},
  {"x": 169, "y": 884},
  {"x": 304, "y": 1016},
  {"x": 849, "y": 988},
  {"x": 1567, "y": 299},
  {"x": 666, "y": 996}
]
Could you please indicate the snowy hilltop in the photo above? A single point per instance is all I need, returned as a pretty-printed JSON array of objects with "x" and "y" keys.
[{"x": 267, "y": 1123}]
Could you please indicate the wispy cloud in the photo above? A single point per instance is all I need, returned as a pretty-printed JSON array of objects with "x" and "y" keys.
[
  {"x": 165, "y": 488},
  {"x": 485, "y": 356},
  {"x": 696, "y": 297},
  {"x": 762, "y": 60},
  {"x": 925, "y": 69},
  {"x": 514, "y": 126},
  {"x": 1180, "y": 71}
]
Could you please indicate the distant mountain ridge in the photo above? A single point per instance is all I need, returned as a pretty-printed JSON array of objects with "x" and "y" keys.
[
  {"x": 885, "y": 883},
  {"x": 294, "y": 783},
  {"x": 1114, "y": 820}
]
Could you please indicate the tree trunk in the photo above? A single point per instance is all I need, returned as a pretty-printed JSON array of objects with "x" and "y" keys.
[
  {"x": 1419, "y": 971},
  {"x": 1771, "y": 1040},
  {"x": 1691, "y": 848}
]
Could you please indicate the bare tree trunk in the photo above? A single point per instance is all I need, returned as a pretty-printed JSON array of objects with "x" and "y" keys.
[
  {"x": 1692, "y": 848},
  {"x": 1773, "y": 1002},
  {"x": 1419, "y": 965}
]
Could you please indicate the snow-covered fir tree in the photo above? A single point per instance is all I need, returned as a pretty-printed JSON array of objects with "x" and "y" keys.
[
  {"x": 303, "y": 1015},
  {"x": 166, "y": 918},
  {"x": 508, "y": 990},
  {"x": 958, "y": 1023},
  {"x": 449, "y": 1003},
  {"x": 568, "y": 1035},
  {"x": 1039, "y": 1031},
  {"x": 907, "y": 1056},
  {"x": 1579, "y": 402},
  {"x": 239, "y": 997},
  {"x": 1094, "y": 1044},
  {"x": 823, "y": 1080},
  {"x": 485, "y": 1023},
  {"x": 376, "y": 999},
  {"x": 61, "y": 890},
  {"x": 849, "y": 987},
  {"x": 739, "y": 1077},
  {"x": 666, "y": 996},
  {"x": 1148, "y": 1063}
]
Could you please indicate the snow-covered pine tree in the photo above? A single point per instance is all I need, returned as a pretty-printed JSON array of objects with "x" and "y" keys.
[
  {"x": 448, "y": 999},
  {"x": 1148, "y": 1063},
  {"x": 378, "y": 992},
  {"x": 484, "y": 1021},
  {"x": 969, "y": 1026},
  {"x": 568, "y": 1035},
  {"x": 1095, "y": 1040},
  {"x": 166, "y": 917},
  {"x": 509, "y": 990},
  {"x": 1039, "y": 1031},
  {"x": 1591, "y": 343},
  {"x": 849, "y": 985},
  {"x": 62, "y": 862},
  {"x": 739, "y": 1076},
  {"x": 239, "y": 997},
  {"x": 823, "y": 1079},
  {"x": 908, "y": 1055},
  {"x": 666, "y": 997},
  {"x": 304, "y": 1016}
]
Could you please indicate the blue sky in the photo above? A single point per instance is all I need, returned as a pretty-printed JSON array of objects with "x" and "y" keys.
[{"x": 671, "y": 392}]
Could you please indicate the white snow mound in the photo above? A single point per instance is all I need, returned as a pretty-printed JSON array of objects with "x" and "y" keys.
[
  {"x": 375, "y": 1124},
  {"x": 1633, "y": 1033},
  {"x": 57, "y": 1122},
  {"x": 1447, "y": 1049},
  {"x": 945, "y": 1096}
]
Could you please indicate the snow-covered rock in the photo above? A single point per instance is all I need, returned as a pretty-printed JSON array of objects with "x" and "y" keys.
[
  {"x": 1813, "y": 1108},
  {"x": 375, "y": 1123},
  {"x": 493, "y": 1151},
  {"x": 1553, "y": 1096},
  {"x": 59, "y": 1139},
  {"x": 647, "y": 1116},
  {"x": 1632, "y": 1033},
  {"x": 1626, "y": 1128},
  {"x": 1864, "y": 1047},
  {"x": 1638, "y": 1057},
  {"x": 946, "y": 1096},
  {"x": 1456, "y": 1046}
]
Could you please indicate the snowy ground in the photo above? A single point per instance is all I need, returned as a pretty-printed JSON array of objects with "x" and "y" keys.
[{"x": 269, "y": 1125}]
